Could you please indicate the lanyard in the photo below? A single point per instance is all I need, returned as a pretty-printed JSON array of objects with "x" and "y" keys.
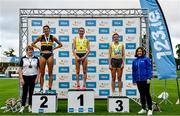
[
  {"x": 47, "y": 39},
  {"x": 30, "y": 66}
]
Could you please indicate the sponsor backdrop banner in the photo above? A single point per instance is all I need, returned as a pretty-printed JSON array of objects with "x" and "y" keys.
[
  {"x": 160, "y": 40},
  {"x": 99, "y": 32}
]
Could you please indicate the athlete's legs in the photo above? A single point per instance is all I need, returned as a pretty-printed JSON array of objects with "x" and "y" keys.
[
  {"x": 77, "y": 63},
  {"x": 119, "y": 73},
  {"x": 113, "y": 74},
  {"x": 84, "y": 65},
  {"x": 50, "y": 62},
  {"x": 42, "y": 63}
]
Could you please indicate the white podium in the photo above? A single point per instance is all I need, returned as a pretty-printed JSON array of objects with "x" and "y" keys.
[
  {"x": 118, "y": 104},
  {"x": 44, "y": 103},
  {"x": 81, "y": 101}
]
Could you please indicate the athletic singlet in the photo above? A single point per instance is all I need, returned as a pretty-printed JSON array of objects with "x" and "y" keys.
[
  {"x": 46, "y": 43},
  {"x": 116, "y": 51},
  {"x": 81, "y": 45}
]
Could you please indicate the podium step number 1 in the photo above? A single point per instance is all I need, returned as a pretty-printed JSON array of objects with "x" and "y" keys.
[{"x": 81, "y": 100}]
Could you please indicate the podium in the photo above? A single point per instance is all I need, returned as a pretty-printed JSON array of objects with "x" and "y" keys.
[
  {"x": 118, "y": 104},
  {"x": 80, "y": 101},
  {"x": 44, "y": 103}
]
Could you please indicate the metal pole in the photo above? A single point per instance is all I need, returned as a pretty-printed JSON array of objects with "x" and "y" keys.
[
  {"x": 178, "y": 90},
  {"x": 166, "y": 100}
]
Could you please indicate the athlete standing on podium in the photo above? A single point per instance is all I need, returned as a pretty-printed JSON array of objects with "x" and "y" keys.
[
  {"x": 81, "y": 49},
  {"x": 46, "y": 55},
  {"x": 116, "y": 63}
]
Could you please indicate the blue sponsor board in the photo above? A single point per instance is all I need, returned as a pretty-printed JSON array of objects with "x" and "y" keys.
[
  {"x": 63, "y": 53},
  {"x": 74, "y": 77},
  {"x": 103, "y": 76},
  {"x": 103, "y": 61},
  {"x": 116, "y": 84},
  {"x": 52, "y": 91},
  {"x": 47, "y": 77},
  {"x": 34, "y": 37},
  {"x": 91, "y": 69},
  {"x": 36, "y": 53},
  {"x": 91, "y": 38},
  {"x": 92, "y": 54},
  {"x": 104, "y": 92},
  {"x": 40, "y": 110},
  {"x": 52, "y": 30},
  {"x": 131, "y": 92},
  {"x": 37, "y": 85},
  {"x": 103, "y": 30},
  {"x": 117, "y": 22},
  {"x": 128, "y": 76},
  {"x": 63, "y": 85},
  {"x": 90, "y": 110},
  {"x": 131, "y": 30},
  {"x": 129, "y": 60},
  {"x": 71, "y": 109},
  {"x": 130, "y": 45},
  {"x": 63, "y": 22},
  {"x": 54, "y": 45},
  {"x": 104, "y": 46},
  {"x": 120, "y": 38},
  {"x": 80, "y": 109},
  {"x": 63, "y": 38},
  {"x": 36, "y": 23},
  {"x": 90, "y": 22},
  {"x": 90, "y": 84},
  {"x": 75, "y": 30},
  {"x": 54, "y": 61},
  {"x": 73, "y": 62},
  {"x": 64, "y": 69}
]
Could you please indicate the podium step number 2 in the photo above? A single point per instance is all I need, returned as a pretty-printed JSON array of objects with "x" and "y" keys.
[
  {"x": 81, "y": 100},
  {"x": 44, "y": 103}
]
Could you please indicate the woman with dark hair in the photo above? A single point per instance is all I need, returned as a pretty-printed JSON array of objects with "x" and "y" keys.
[
  {"x": 46, "y": 54},
  {"x": 28, "y": 73},
  {"x": 116, "y": 63},
  {"x": 141, "y": 75}
]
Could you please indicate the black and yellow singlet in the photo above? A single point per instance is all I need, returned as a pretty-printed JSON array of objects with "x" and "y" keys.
[{"x": 46, "y": 43}]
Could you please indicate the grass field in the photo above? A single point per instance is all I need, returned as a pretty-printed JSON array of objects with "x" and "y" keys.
[{"x": 9, "y": 88}]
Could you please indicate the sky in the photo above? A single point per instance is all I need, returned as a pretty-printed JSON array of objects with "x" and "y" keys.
[{"x": 9, "y": 16}]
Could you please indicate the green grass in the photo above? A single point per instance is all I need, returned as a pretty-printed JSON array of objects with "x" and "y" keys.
[{"x": 9, "y": 88}]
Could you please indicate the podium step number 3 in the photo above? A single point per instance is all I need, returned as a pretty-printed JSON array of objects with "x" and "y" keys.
[
  {"x": 44, "y": 103},
  {"x": 81, "y": 100},
  {"x": 118, "y": 104}
]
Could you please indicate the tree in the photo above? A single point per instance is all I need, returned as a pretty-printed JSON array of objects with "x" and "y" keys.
[
  {"x": 178, "y": 50},
  {"x": 9, "y": 53}
]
